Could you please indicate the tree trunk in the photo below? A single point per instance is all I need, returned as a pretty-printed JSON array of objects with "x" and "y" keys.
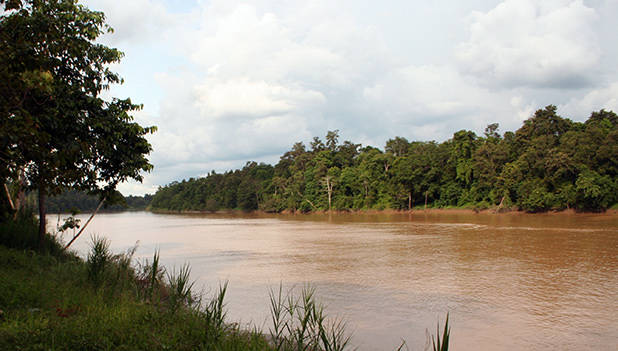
[
  {"x": 330, "y": 194},
  {"x": 8, "y": 196},
  {"x": 329, "y": 188},
  {"x": 21, "y": 193},
  {"x": 500, "y": 205},
  {"x": 426, "y": 199},
  {"x": 410, "y": 201},
  {"x": 85, "y": 225},
  {"x": 310, "y": 203},
  {"x": 42, "y": 213}
]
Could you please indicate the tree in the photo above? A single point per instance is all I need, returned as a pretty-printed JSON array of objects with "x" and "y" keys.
[
  {"x": 464, "y": 146},
  {"x": 491, "y": 131},
  {"x": 550, "y": 163},
  {"x": 54, "y": 125},
  {"x": 317, "y": 145},
  {"x": 398, "y": 146},
  {"x": 330, "y": 180},
  {"x": 332, "y": 139},
  {"x": 545, "y": 123}
]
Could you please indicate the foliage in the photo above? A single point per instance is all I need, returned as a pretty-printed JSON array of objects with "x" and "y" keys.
[
  {"x": 54, "y": 126},
  {"x": 105, "y": 302},
  {"x": 79, "y": 201},
  {"x": 550, "y": 163},
  {"x": 99, "y": 258},
  {"x": 299, "y": 323},
  {"x": 441, "y": 344},
  {"x": 21, "y": 233}
]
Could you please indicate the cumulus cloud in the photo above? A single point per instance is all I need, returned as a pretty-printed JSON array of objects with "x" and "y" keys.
[
  {"x": 326, "y": 71},
  {"x": 227, "y": 82},
  {"x": 136, "y": 21},
  {"x": 262, "y": 84},
  {"x": 243, "y": 98},
  {"x": 532, "y": 43},
  {"x": 605, "y": 97}
]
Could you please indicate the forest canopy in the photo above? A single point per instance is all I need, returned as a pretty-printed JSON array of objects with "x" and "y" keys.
[{"x": 550, "y": 163}]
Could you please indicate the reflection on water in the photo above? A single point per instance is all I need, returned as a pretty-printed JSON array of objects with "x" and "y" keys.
[{"x": 510, "y": 282}]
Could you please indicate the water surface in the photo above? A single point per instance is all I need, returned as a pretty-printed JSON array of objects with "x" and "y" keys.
[{"x": 509, "y": 282}]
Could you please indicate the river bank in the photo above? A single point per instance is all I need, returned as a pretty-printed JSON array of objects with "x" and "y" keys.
[
  {"x": 502, "y": 277},
  {"x": 417, "y": 211},
  {"x": 111, "y": 302}
]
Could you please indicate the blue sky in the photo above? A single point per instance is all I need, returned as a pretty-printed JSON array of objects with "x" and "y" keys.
[{"x": 227, "y": 81}]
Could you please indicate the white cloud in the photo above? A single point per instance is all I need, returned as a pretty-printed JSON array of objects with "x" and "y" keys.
[
  {"x": 136, "y": 21},
  {"x": 261, "y": 84},
  {"x": 247, "y": 99},
  {"x": 227, "y": 82},
  {"x": 431, "y": 102},
  {"x": 532, "y": 43},
  {"x": 606, "y": 97}
]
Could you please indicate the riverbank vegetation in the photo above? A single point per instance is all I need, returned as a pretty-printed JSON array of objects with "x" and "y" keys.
[
  {"x": 57, "y": 130},
  {"x": 550, "y": 163},
  {"x": 73, "y": 200},
  {"x": 53, "y": 300}
]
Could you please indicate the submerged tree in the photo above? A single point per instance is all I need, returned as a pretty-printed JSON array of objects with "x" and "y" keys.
[{"x": 54, "y": 126}]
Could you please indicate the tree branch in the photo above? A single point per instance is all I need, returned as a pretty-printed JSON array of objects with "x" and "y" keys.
[
  {"x": 8, "y": 195},
  {"x": 85, "y": 225}
]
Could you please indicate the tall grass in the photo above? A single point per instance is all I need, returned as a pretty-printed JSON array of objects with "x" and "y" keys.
[
  {"x": 139, "y": 306},
  {"x": 213, "y": 312},
  {"x": 441, "y": 344},
  {"x": 22, "y": 233},
  {"x": 98, "y": 259},
  {"x": 124, "y": 277},
  {"x": 155, "y": 274},
  {"x": 299, "y": 323},
  {"x": 180, "y": 287}
]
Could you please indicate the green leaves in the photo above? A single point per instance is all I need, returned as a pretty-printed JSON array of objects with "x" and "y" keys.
[
  {"x": 53, "y": 124},
  {"x": 595, "y": 191},
  {"x": 545, "y": 165}
]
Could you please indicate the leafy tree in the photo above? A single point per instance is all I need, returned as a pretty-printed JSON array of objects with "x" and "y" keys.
[
  {"x": 545, "y": 123},
  {"x": 397, "y": 146},
  {"x": 317, "y": 145},
  {"x": 332, "y": 139},
  {"x": 491, "y": 131},
  {"x": 345, "y": 155},
  {"x": 595, "y": 191},
  {"x": 549, "y": 163},
  {"x": 54, "y": 125},
  {"x": 463, "y": 148},
  {"x": 489, "y": 159}
]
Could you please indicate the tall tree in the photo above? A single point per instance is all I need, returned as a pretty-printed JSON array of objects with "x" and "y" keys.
[
  {"x": 54, "y": 124},
  {"x": 332, "y": 139}
]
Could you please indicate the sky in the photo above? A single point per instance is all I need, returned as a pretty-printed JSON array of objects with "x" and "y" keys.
[{"x": 229, "y": 81}]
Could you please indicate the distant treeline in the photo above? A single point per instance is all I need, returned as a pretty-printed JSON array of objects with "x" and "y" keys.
[
  {"x": 73, "y": 200},
  {"x": 550, "y": 163}
]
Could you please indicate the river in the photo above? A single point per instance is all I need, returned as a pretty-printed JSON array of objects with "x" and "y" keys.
[{"x": 510, "y": 281}]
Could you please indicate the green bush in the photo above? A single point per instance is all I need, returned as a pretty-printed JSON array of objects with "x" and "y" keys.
[{"x": 23, "y": 233}]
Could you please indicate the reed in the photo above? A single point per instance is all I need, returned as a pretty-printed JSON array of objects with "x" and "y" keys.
[
  {"x": 138, "y": 306},
  {"x": 99, "y": 258},
  {"x": 441, "y": 344},
  {"x": 180, "y": 288},
  {"x": 300, "y": 324}
]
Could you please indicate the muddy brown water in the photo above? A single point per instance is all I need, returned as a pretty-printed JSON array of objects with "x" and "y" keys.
[{"x": 509, "y": 282}]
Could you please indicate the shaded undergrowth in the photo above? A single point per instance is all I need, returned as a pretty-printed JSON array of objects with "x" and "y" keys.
[{"x": 50, "y": 300}]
